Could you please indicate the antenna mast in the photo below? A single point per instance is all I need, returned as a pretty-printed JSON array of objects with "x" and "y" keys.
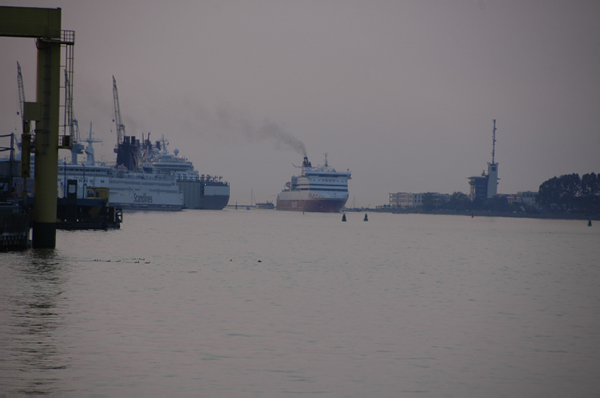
[{"x": 494, "y": 142}]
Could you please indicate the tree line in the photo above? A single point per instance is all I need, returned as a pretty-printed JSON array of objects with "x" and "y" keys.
[
  {"x": 571, "y": 193},
  {"x": 460, "y": 202}
]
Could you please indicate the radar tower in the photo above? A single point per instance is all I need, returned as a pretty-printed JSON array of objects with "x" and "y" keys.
[
  {"x": 494, "y": 142},
  {"x": 492, "y": 177}
]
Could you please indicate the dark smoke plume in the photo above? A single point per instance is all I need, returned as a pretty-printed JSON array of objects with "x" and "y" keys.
[
  {"x": 228, "y": 121},
  {"x": 272, "y": 131},
  {"x": 269, "y": 131}
]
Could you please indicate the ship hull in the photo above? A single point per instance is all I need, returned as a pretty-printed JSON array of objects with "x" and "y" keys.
[
  {"x": 198, "y": 195},
  {"x": 129, "y": 191},
  {"x": 215, "y": 202},
  {"x": 216, "y": 197},
  {"x": 311, "y": 202}
]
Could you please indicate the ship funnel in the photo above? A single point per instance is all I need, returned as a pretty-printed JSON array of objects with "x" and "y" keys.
[{"x": 306, "y": 163}]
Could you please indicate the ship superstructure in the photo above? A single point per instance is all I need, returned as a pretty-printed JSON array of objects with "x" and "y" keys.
[
  {"x": 316, "y": 189},
  {"x": 164, "y": 162}
]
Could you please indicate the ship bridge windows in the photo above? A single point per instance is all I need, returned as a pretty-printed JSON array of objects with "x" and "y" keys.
[
  {"x": 322, "y": 189},
  {"x": 323, "y": 183}
]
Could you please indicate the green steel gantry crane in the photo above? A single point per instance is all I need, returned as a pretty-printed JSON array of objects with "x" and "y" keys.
[{"x": 43, "y": 24}]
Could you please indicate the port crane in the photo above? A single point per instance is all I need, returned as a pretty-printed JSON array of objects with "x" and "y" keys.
[
  {"x": 25, "y": 144},
  {"x": 120, "y": 126},
  {"x": 73, "y": 125},
  {"x": 21, "y": 92}
]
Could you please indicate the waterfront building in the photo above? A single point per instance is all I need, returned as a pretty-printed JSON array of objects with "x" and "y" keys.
[
  {"x": 525, "y": 197},
  {"x": 405, "y": 200}
]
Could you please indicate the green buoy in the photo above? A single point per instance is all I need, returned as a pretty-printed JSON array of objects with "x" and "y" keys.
[
  {"x": 366, "y": 218},
  {"x": 344, "y": 217}
]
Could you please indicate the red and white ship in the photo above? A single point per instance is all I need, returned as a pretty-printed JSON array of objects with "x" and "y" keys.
[{"x": 319, "y": 188}]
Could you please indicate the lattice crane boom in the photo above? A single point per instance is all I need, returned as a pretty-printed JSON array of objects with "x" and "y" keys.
[
  {"x": 119, "y": 124},
  {"x": 21, "y": 91},
  {"x": 69, "y": 109}
]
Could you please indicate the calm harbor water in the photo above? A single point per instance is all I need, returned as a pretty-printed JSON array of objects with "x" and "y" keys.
[{"x": 267, "y": 303}]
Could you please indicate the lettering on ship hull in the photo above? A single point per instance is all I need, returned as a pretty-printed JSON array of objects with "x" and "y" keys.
[{"x": 142, "y": 198}]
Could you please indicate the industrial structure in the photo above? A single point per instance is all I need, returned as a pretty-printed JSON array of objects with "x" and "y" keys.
[
  {"x": 43, "y": 24},
  {"x": 486, "y": 185}
]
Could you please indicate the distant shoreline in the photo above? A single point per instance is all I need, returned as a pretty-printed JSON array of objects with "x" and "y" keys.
[{"x": 549, "y": 216}]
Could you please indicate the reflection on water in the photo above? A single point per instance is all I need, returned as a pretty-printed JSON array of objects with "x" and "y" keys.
[{"x": 32, "y": 285}]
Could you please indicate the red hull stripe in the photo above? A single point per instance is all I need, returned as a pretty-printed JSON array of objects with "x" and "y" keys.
[{"x": 326, "y": 206}]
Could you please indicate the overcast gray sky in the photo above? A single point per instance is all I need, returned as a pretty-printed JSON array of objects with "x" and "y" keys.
[{"x": 402, "y": 93}]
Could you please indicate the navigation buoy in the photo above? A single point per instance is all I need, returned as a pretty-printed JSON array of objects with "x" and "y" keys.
[
  {"x": 366, "y": 218},
  {"x": 589, "y": 223},
  {"x": 344, "y": 217}
]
